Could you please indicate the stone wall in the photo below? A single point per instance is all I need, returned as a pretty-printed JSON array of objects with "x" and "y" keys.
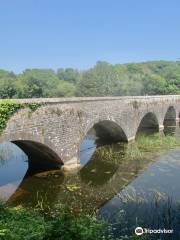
[{"x": 61, "y": 124}]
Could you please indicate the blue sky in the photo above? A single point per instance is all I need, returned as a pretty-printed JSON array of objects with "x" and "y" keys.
[{"x": 77, "y": 33}]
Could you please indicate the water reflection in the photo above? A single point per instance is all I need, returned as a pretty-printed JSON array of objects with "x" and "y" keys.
[
  {"x": 87, "y": 149},
  {"x": 129, "y": 189},
  {"x": 110, "y": 170},
  {"x": 16, "y": 167},
  {"x": 13, "y": 168},
  {"x": 152, "y": 200},
  {"x": 170, "y": 127},
  {"x": 102, "y": 166},
  {"x": 42, "y": 188}
]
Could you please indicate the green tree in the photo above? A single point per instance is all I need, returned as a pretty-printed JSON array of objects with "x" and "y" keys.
[
  {"x": 63, "y": 89},
  {"x": 154, "y": 85},
  {"x": 37, "y": 83},
  {"x": 68, "y": 74},
  {"x": 8, "y": 84}
]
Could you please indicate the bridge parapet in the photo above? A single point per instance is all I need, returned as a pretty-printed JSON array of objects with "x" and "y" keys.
[{"x": 92, "y": 99}]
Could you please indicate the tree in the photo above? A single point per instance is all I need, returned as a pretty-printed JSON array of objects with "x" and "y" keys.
[
  {"x": 104, "y": 79},
  {"x": 37, "y": 83},
  {"x": 154, "y": 85},
  {"x": 8, "y": 84},
  {"x": 63, "y": 89},
  {"x": 68, "y": 74}
]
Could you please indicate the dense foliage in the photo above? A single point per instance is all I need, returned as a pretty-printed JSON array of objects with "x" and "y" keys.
[
  {"x": 104, "y": 79},
  {"x": 20, "y": 223},
  {"x": 7, "y": 108}
]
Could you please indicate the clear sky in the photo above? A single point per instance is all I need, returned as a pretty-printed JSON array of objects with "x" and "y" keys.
[{"x": 77, "y": 33}]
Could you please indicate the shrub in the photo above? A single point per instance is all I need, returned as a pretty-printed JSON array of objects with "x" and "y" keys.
[{"x": 8, "y": 108}]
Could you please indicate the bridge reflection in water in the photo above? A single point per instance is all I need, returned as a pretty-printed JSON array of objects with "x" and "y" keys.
[
  {"x": 110, "y": 180},
  {"x": 109, "y": 170}
]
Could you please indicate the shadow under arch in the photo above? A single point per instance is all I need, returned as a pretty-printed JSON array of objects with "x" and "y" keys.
[
  {"x": 108, "y": 132},
  {"x": 148, "y": 125},
  {"x": 104, "y": 132},
  {"x": 40, "y": 156},
  {"x": 170, "y": 121}
]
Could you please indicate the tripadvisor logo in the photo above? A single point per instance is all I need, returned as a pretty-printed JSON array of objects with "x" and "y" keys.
[{"x": 139, "y": 231}]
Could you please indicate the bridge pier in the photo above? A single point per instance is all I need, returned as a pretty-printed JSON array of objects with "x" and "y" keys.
[
  {"x": 71, "y": 165},
  {"x": 74, "y": 163},
  {"x": 131, "y": 139},
  {"x": 161, "y": 128}
]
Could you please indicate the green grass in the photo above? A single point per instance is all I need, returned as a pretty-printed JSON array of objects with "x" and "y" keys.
[
  {"x": 18, "y": 223},
  {"x": 147, "y": 145},
  {"x": 156, "y": 142},
  {"x": 144, "y": 146}
]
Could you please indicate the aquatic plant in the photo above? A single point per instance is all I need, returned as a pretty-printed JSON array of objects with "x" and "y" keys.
[
  {"x": 156, "y": 142},
  {"x": 161, "y": 212},
  {"x": 146, "y": 146}
]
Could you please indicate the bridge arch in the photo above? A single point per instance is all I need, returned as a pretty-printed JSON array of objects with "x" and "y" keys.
[
  {"x": 100, "y": 133},
  {"x": 107, "y": 129},
  {"x": 148, "y": 124},
  {"x": 110, "y": 131},
  {"x": 169, "y": 122},
  {"x": 40, "y": 156},
  {"x": 170, "y": 116}
]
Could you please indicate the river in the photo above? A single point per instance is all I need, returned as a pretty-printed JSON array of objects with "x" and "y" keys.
[{"x": 125, "y": 190}]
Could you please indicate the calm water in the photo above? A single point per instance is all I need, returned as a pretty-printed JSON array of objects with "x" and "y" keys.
[
  {"x": 152, "y": 200},
  {"x": 127, "y": 192}
]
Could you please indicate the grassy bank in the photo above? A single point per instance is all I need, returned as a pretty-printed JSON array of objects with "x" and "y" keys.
[
  {"x": 151, "y": 145},
  {"x": 18, "y": 223},
  {"x": 156, "y": 142},
  {"x": 22, "y": 223},
  {"x": 144, "y": 147}
]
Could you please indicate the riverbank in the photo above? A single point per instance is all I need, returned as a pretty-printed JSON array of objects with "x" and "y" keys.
[
  {"x": 25, "y": 223},
  {"x": 60, "y": 224},
  {"x": 147, "y": 146}
]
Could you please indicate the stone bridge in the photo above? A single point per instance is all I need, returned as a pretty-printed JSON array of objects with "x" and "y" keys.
[{"x": 57, "y": 128}]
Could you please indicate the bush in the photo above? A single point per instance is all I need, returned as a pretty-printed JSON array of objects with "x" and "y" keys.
[
  {"x": 8, "y": 108},
  {"x": 18, "y": 223}
]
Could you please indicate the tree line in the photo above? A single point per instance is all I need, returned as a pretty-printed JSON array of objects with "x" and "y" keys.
[{"x": 104, "y": 79}]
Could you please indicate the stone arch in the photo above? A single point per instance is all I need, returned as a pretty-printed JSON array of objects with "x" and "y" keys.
[
  {"x": 170, "y": 115},
  {"x": 40, "y": 156},
  {"x": 103, "y": 121},
  {"x": 100, "y": 133},
  {"x": 148, "y": 124},
  {"x": 107, "y": 129},
  {"x": 110, "y": 131},
  {"x": 169, "y": 121}
]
